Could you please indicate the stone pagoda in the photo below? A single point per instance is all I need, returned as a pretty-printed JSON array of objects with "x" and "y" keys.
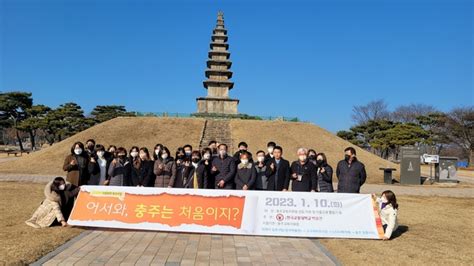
[{"x": 218, "y": 76}]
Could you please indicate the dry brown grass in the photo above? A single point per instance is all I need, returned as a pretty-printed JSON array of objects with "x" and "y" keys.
[
  {"x": 439, "y": 231},
  {"x": 174, "y": 132},
  {"x": 123, "y": 131},
  {"x": 291, "y": 136},
  {"x": 21, "y": 244}
]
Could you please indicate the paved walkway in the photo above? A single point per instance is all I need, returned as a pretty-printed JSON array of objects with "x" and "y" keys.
[{"x": 118, "y": 247}]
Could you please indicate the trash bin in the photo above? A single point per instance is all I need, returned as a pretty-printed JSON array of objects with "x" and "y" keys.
[{"x": 446, "y": 169}]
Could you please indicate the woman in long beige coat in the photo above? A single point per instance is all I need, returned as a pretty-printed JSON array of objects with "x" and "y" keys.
[{"x": 50, "y": 209}]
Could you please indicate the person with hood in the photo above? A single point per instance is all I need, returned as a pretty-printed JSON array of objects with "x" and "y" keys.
[
  {"x": 303, "y": 173},
  {"x": 350, "y": 172},
  {"x": 119, "y": 169},
  {"x": 164, "y": 169},
  {"x": 50, "y": 210},
  {"x": 76, "y": 165},
  {"x": 324, "y": 173},
  {"x": 246, "y": 173}
]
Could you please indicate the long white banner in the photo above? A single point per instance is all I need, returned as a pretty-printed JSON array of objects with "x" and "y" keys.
[{"x": 300, "y": 214}]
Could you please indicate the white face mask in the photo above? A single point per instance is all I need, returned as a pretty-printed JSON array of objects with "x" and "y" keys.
[
  {"x": 302, "y": 157},
  {"x": 164, "y": 156},
  {"x": 188, "y": 152},
  {"x": 244, "y": 161},
  {"x": 270, "y": 150},
  {"x": 384, "y": 199},
  {"x": 207, "y": 156},
  {"x": 261, "y": 159},
  {"x": 78, "y": 151},
  {"x": 222, "y": 152},
  {"x": 62, "y": 187},
  {"x": 157, "y": 151},
  {"x": 134, "y": 154},
  {"x": 100, "y": 154}
]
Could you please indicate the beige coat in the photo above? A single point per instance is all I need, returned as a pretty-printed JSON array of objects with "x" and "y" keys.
[
  {"x": 48, "y": 211},
  {"x": 388, "y": 215}
]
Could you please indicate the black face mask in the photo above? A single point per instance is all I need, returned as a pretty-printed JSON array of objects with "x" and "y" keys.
[
  {"x": 312, "y": 157},
  {"x": 196, "y": 160},
  {"x": 347, "y": 157},
  {"x": 320, "y": 162},
  {"x": 90, "y": 147}
]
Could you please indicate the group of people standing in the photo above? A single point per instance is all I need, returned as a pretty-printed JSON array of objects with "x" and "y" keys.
[{"x": 211, "y": 168}]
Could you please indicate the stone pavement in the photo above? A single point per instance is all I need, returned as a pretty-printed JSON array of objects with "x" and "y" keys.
[{"x": 125, "y": 247}]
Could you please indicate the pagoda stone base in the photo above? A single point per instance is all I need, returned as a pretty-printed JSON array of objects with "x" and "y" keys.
[{"x": 207, "y": 105}]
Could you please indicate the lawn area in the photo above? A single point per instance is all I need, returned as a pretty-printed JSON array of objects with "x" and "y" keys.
[
  {"x": 436, "y": 230},
  {"x": 21, "y": 244}
]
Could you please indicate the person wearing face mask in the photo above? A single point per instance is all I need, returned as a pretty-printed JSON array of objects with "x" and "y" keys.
[
  {"x": 246, "y": 173},
  {"x": 118, "y": 170},
  {"x": 90, "y": 147},
  {"x": 179, "y": 156},
  {"x": 188, "y": 149},
  {"x": 50, "y": 210},
  {"x": 98, "y": 166},
  {"x": 142, "y": 169},
  {"x": 213, "y": 146},
  {"x": 195, "y": 173},
  {"x": 303, "y": 173},
  {"x": 111, "y": 152},
  {"x": 350, "y": 173},
  {"x": 157, "y": 151},
  {"x": 223, "y": 169},
  {"x": 76, "y": 165},
  {"x": 243, "y": 148},
  {"x": 277, "y": 171},
  {"x": 270, "y": 146},
  {"x": 134, "y": 160},
  {"x": 324, "y": 173},
  {"x": 312, "y": 156},
  {"x": 261, "y": 181},
  {"x": 164, "y": 169},
  {"x": 388, "y": 210},
  {"x": 207, "y": 162}
]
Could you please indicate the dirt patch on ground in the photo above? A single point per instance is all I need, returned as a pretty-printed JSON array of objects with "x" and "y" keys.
[{"x": 433, "y": 231}]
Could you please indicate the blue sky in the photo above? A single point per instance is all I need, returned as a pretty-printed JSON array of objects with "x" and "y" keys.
[{"x": 310, "y": 59}]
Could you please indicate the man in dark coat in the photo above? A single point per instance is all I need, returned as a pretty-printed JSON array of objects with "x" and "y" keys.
[
  {"x": 303, "y": 173},
  {"x": 350, "y": 172},
  {"x": 278, "y": 171},
  {"x": 223, "y": 168}
]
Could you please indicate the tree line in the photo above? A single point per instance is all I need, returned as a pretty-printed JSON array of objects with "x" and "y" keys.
[
  {"x": 18, "y": 115},
  {"x": 384, "y": 132}
]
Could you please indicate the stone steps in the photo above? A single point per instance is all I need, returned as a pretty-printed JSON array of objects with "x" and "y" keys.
[{"x": 218, "y": 130}]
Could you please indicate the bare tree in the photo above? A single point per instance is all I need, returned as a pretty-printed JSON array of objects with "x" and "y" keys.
[
  {"x": 374, "y": 110},
  {"x": 409, "y": 113},
  {"x": 460, "y": 125}
]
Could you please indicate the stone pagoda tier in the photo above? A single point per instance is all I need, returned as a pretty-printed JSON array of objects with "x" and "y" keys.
[{"x": 218, "y": 75}]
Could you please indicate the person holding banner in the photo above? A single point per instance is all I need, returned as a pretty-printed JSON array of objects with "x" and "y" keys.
[
  {"x": 223, "y": 168},
  {"x": 388, "y": 210},
  {"x": 350, "y": 172},
  {"x": 278, "y": 171},
  {"x": 50, "y": 209},
  {"x": 324, "y": 173},
  {"x": 246, "y": 173},
  {"x": 164, "y": 169},
  {"x": 303, "y": 173}
]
